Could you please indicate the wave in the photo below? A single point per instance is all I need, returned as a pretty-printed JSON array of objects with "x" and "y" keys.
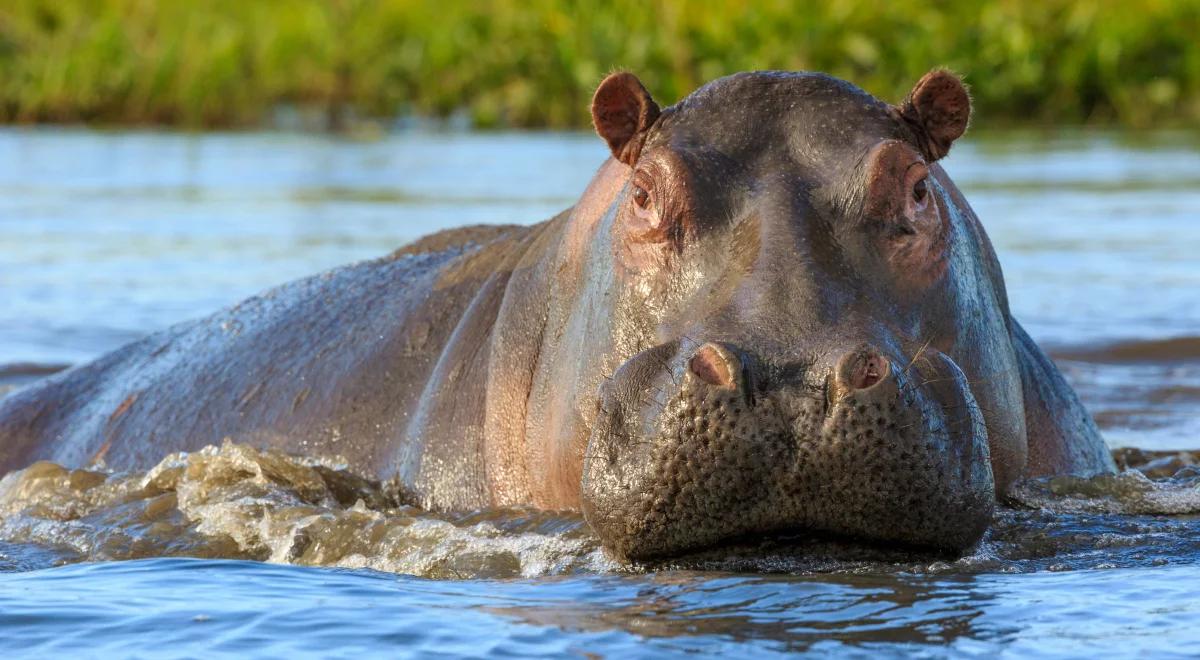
[
  {"x": 237, "y": 502},
  {"x": 16, "y": 374},
  {"x": 1174, "y": 349}
]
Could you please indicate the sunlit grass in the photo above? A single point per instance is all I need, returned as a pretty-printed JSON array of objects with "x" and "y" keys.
[{"x": 535, "y": 62}]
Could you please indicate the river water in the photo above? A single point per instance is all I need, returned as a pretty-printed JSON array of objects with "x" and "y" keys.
[{"x": 107, "y": 236}]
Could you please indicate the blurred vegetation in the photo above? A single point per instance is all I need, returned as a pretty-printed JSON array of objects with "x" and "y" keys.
[{"x": 535, "y": 62}]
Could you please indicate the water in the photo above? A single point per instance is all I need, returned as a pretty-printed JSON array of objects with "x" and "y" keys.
[
  {"x": 107, "y": 236},
  {"x": 233, "y": 607}
]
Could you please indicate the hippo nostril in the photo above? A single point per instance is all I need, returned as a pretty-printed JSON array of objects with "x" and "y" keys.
[
  {"x": 863, "y": 368},
  {"x": 715, "y": 365},
  {"x": 871, "y": 372}
]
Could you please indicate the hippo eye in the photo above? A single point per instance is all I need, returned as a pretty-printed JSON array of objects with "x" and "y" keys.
[
  {"x": 920, "y": 190},
  {"x": 640, "y": 196},
  {"x": 647, "y": 220}
]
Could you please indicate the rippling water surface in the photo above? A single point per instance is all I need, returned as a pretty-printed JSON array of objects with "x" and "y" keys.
[{"x": 107, "y": 236}]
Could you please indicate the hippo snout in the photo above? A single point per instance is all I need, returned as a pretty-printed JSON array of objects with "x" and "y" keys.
[{"x": 706, "y": 444}]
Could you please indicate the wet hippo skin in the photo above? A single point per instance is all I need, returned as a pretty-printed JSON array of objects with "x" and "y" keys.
[{"x": 771, "y": 310}]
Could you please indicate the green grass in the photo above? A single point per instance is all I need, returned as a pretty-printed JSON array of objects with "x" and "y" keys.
[{"x": 535, "y": 62}]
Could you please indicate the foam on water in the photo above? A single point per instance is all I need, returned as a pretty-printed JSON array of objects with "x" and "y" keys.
[
  {"x": 239, "y": 503},
  {"x": 236, "y": 502}
]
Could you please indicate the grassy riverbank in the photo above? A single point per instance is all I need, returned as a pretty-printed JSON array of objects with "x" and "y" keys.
[{"x": 535, "y": 62}]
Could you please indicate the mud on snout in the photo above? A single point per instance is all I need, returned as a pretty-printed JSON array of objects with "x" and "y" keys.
[{"x": 694, "y": 450}]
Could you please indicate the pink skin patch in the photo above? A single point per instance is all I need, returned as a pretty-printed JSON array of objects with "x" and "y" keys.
[
  {"x": 711, "y": 366},
  {"x": 915, "y": 238},
  {"x": 869, "y": 372},
  {"x": 862, "y": 369}
]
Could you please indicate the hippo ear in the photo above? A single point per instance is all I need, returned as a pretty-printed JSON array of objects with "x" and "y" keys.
[
  {"x": 622, "y": 111},
  {"x": 938, "y": 109}
]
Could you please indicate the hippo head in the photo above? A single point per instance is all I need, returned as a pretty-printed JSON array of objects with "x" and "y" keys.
[{"x": 801, "y": 274}]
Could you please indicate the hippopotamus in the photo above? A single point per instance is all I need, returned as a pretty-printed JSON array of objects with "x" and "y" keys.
[{"x": 770, "y": 312}]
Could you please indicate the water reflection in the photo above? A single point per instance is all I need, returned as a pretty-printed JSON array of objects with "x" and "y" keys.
[
  {"x": 794, "y": 614},
  {"x": 204, "y": 607}
]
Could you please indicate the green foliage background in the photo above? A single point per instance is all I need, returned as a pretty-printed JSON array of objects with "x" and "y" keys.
[{"x": 535, "y": 62}]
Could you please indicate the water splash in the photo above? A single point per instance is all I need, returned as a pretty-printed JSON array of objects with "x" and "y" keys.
[
  {"x": 1131, "y": 492},
  {"x": 240, "y": 503},
  {"x": 236, "y": 502}
]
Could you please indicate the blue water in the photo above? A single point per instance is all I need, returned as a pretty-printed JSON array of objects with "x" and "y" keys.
[
  {"x": 181, "y": 607},
  {"x": 105, "y": 237}
]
